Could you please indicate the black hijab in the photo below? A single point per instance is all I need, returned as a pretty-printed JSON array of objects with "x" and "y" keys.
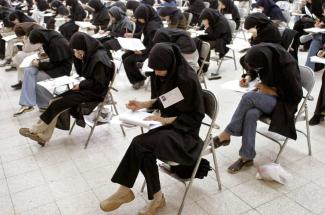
[
  {"x": 59, "y": 8},
  {"x": 100, "y": 13},
  {"x": 173, "y": 12},
  {"x": 132, "y": 5},
  {"x": 152, "y": 20},
  {"x": 42, "y": 5},
  {"x": 94, "y": 53},
  {"x": 148, "y": 2},
  {"x": 271, "y": 9},
  {"x": 77, "y": 13},
  {"x": 117, "y": 13},
  {"x": 231, "y": 8},
  {"x": 266, "y": 30},
  {"x": 21, "y": 16},
  {"x": 277, "y": 68},
  {"x": 212, "y": 16},
  {"x": 54, "y": 44},
  {"x": 177, "y": 36},
  {"x": 189, "y": 111}
]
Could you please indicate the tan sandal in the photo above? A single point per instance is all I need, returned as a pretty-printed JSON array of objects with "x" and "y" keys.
[
  {"x": 112, "y": 203},
  {"x": 153, "y": 208},
  {"x": 26, "y": 133}
]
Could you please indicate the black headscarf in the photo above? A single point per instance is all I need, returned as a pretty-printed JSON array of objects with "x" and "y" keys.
[
  {"x": 176, "y": 36},
  {"x": 59, "y": 8},
  {"x": 196, "y": 7},
  {"x": 173, "y": 12},
  {"x": 54, "y": 44},
  {"x": 277, "y": 68},
  {"x": 148, "y": 2},
  {"x": 132, "y": 5},
  {"x": 152, "y": 20},
  {"x": 190, "y": 111},
  {"x": 231, "y": 8},
  {"x": 42, "y": 5},
  {"x": 94, "y": 53},
  {"x": 266, "y": 30},
  {"x": 100, "y": 14},
  {"x": 271, "y": 9},
  {"x": 212, "y": 16},
  {"x": 21, "y": 16},
  {"x": 4, "y": 3},
  {"x": 77, "y": 13}
]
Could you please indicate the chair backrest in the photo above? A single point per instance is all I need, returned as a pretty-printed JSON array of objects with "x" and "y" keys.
[
  {"x": 211, "y": 107},
  {"x": 232, "y": 25},
  {"x": 189, "y": 17},
  {"x": 307, "y": 78},
  {"x": 206, "y": 4},
  {"x": 204, "y": 52}
]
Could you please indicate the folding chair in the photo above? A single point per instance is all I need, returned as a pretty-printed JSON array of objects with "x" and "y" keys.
[
  {"x": 308, "y": 81},
  {"x": 232, "y": 25},
  {"x": 189, "y": 17},
  {"x": 108, "y": 100},
  {"x": 119, "y": 57},
  {"x": 204, "y": 52},
  {"x": 211, "y": 110}
]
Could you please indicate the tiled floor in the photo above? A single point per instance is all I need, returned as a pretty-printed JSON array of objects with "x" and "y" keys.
[{"x": 63, "y": 178}]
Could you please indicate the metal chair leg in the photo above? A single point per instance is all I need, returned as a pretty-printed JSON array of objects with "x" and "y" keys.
[
  {"x": 116, "y": 112},
  {"x": 143, "y": 186},
  {"x": 234, "y": 58},
  {"x": 308, "y": 130},
  {"x": 216, "y": 165},
  {"x": 74, "y": 123},
  {"x": 89, "y": 136},
  {"x": 281, "y": 150}
]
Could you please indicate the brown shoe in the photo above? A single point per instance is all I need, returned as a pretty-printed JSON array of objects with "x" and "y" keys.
[
  {"x": 112, "y": 203},
  {"x": 26, "y": 133},
  {"x": 153, "y": 207}
]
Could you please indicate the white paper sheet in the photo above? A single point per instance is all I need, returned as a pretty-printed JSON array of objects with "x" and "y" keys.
[
  {"x": 99, "y": 35},
  {"x": 51, "y": 84},
  {"x": 85, "y": 24},
  {"x": 27, "y": 62},
  {"x": 172, "y": 97},
  {"x": 10, "y": 37},
  {"x": 315, "y": 30},
  {"x": 136, "y": 118},
  {"x": 132, "y": 44},
  {"x": 234, "y": 85},
  {"x": 316, "y": 59}
]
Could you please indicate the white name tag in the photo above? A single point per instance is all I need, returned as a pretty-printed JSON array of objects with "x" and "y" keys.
[{"x": 171, "y": 97}]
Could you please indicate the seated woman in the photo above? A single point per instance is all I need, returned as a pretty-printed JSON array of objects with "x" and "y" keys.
[
  {"x": 92, "y": 63},
  {"x": 185, "y": 43},
  {"x": 59, "y": 8},
  {"x": 119, "y": 25},
  {"x": 228, "y": 7},
  {"x": 319, "y": 112},
  {"x": 166, "y": 3},
  {"x": 23, "y": 30},
  {"x": 150, "y": 21},
  {"x": 100, "y": 15},
  {"x": 77, "y": 13},
  {"x": 278, "y": 95},
  {"x": 218, "y": 33},
  {"x": 174, "y": 17},
  {"x": 176, "y": 140},
  {"x": 270, "y": 9},
  {"x": 57, "y": 49},
  {"x": 41, "y": 7},
  {"x": 196, "y": 7}
]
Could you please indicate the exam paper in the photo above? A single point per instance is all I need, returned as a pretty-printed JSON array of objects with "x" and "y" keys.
[
  {"x": 132, "y": 44},
  {"x": 137, "y": 118},
  {"x": 27, "y": 62},
  {"x": 234, "y": 85}
]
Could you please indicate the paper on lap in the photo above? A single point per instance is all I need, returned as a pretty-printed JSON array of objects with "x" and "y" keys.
[
  {"x": 53, "y": 83},
  {"x": 27, "y": 62},
  {"x": 10, "y": 37},
  {"x": 315, "y": 30},
  {"x": 316, "y": 59},
  {"x": 132, "y": 44},
  {"x": 234, "y": 85},
  {"x": 136, "y": 118},
  {"x": 85, "y": 24}
]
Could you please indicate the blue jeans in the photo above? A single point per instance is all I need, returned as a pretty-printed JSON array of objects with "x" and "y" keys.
[
  {"x": 31, "y": 93},
  {"x": 244, "y": 121},
  {"x": 315, "y": 46}
]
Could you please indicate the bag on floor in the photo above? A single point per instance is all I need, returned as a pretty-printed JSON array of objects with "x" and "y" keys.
[
  {"x": 273, "y": 172},
  {"x": 185, "y": 172}
]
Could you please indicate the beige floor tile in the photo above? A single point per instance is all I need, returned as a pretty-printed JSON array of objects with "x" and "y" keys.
[
  {"x": 47, "y": 209},
  {"x": 17, "y": 153},
  {"x": 310, "y": 196},
  {"x": 255, "y": 192},
  {"x": 25, "y": 181},
  {"x": 59, "y": 171},
  {"x": 6, "y": 207},
  {"x": 32, "y": 198},
  {"x": 4, "y": 188},
  {"x": 282, "y": 205},
  {"x": 20, "y": 166}
]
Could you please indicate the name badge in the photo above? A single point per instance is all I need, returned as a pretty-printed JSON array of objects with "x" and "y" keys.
[{"x": 171, "y": 97}]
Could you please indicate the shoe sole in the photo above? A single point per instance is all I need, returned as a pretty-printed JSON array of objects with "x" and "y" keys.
[
  {"x": 25, "y": 111},
  {"x": 32, "y": 137},
  {"x": 117, "y": 205},
  {"x": 245, "y": 166}
]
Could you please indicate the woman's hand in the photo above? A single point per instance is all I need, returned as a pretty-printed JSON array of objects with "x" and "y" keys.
[
  {"x": 321, "y": 54},
  {"x": 137, "y": 52},
  {"x": 135, "y": 105},
  {"x": 155, "y": 118},
  {"x": 35, "y": 63},
  {"x": 128, "y": 35},
  {"x": 76, "y": 88},
  {"x": 265, "y": 89}
]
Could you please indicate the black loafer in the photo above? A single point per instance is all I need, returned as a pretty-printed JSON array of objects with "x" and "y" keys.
[{"x": 217, "y": 143}]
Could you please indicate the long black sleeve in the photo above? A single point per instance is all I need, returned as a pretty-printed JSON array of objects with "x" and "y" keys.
[{"x": 99, "y": 80}]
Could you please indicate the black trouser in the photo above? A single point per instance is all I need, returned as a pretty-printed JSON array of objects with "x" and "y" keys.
[
  {"x": 139, "y": 157},
  {"x": 130, "y": 65}
]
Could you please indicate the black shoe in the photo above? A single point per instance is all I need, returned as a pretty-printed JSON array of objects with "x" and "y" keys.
[
  {"x": 214, "y": 76},
  {"x": 217, "y": 143},
  {"x": 316, "y": 119},
  {"x": 11, "y": 68},
  {"x": 18, "y": 85}
]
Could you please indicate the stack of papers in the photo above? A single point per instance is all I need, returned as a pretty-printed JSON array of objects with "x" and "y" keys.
[
  {"x": 132, "y": 44},
  {"x": 196, "y": 33},
  {"x": 234, "y": 85},
  {"x": 100, "y": 35},
  {"x": 10, "y": 37},
  {"x": 316, "y": 59},
  {"x": 85, "y": 24},
  {"x": 136, "y": 118}
]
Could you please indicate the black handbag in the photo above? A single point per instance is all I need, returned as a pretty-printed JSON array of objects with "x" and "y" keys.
[{"x": 185, "y": 172}]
